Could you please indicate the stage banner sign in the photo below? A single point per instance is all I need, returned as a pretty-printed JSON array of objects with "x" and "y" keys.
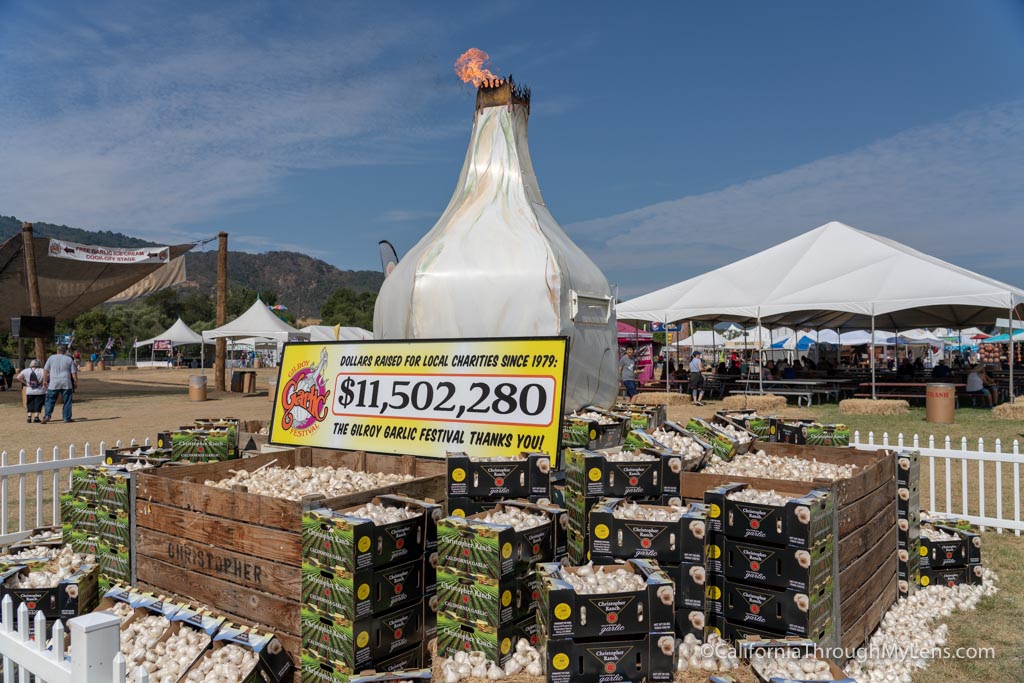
[
  {"x": 88, "y": 252},
  {"x": 485, "y": 397}
]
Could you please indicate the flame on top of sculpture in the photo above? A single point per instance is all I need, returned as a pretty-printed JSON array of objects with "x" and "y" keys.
[{"x": 496, "y": 264}]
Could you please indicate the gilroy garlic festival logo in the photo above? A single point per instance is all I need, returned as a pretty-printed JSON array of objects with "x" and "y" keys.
[{"x": 304, "y": 398}]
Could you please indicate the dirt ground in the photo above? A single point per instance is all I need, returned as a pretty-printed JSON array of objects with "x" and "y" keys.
[{"x": 126, "y": 404}]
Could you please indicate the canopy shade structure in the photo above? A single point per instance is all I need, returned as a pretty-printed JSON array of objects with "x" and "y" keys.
[
  {"x": 834, "y": 276},
  {"x": 177, "y": 334},
  {"x": 793, "y": 342},
  {"x": 325, "y": 333},
  {"x": 704, "y": 339},
  {"x": 68, "y": 286},
  {"x": 258, "y": 321},
  {"x": 629, "y": 333},
  {"x": 1018, "y": 336}
]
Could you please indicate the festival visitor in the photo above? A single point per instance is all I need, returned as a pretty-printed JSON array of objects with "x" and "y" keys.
[
  {"x": 941, "y": 371},
  {"x": 60, "y": 375},
  {"x": 6, "y": 374},
  {"x": 627, "y": 373},
  {"x": 697, "y": 379},
  {"x": 35, "y": 390},
  {"x": 976, "y": 381}
]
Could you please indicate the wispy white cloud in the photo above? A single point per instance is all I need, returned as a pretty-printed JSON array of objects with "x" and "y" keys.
[
  {"x": 951, "y": 189},
  {"x": 123, "y": 116}
]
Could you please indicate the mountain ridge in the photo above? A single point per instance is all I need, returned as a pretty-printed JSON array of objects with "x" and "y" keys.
[{"x": 303, "y": 286}]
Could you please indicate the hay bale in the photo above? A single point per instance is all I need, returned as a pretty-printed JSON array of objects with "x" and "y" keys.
[
  {"x": 767, "y": 402},
  {"x": 1009, "y": 411},
  {"x": 874, "y": 406},
  {"x": 656, "y": 398}
]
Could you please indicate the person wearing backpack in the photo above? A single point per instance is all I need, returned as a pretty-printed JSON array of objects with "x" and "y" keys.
[{"x": 35, "y": 390}]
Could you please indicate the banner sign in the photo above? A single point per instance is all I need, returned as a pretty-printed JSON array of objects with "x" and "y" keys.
[
  {"x": 666, "y": 327},
  {"x": 161, "y": 344},
  {"x": 485, "y": 397},
  {"x": 86, "y": 252}
]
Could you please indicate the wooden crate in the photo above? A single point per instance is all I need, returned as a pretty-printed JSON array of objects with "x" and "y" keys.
[
  {"x": 866, "y": 510},
  {"x": 240, "y": 553}
]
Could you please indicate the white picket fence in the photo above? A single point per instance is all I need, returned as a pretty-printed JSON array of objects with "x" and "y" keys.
[
  {"x": 941, "y": 498},
  {"x": 94, "y": 638}
]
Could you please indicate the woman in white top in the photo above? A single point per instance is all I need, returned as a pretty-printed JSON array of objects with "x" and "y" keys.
[{"x": 35, "y": 391}]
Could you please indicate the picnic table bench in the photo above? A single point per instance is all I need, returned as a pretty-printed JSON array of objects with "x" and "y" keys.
[{"x": 912, "y": 391}]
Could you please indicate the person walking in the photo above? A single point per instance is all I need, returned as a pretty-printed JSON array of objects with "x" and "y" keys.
[
  {"x": 60, "y": 375},
  {"x": 627, "y": 373},
  {"x": 697, "y": 379},
  {"x": 35, "y": 391},
  {"x": 6, "y": 374}
]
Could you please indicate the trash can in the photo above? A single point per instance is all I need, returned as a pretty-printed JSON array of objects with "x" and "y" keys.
[
  {"x": 90, "y": 366},
  {"x": 236, "y": 382},
  {"x": 940, "y": 403},
  {"x": 197, "y": 388}
]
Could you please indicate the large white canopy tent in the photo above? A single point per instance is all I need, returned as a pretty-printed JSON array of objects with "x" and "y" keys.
[
  {"x": 835, "y": 277},
  {"x": 178, "y": 334},
  {"x": 258, "y": 321},
  {"x": 325, "y": 333}
]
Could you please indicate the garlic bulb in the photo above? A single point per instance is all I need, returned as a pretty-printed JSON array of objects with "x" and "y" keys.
[
  {"x": 712, "y": 656},
  {"x": 62, "y": 564},
  {"x": 596, "y": 417},
  {"x": 382, "y": 514},
  {"x": 228, "y": 664},
  {"x": 741, "y": 435},
  {"x": 933, "y": 534},
  {"x": 44, "y": 536},
  {"x": 517, "y": 518},
  {"x": 764, "y": 466},
  {"x": 629, "y": 456},
  {"x": 790, "y": 665},
  {"x": 591, "y": 580},
  {"x": 121, "y": 609},
  {"x": 759, "y": 497},
  {"x": 172, "y": 658},
  {"x": 682, "y": 444},
  {"x": 139, "y": 639},
  {"x": 649, "y": 513},
  {"x": 904, "y": 641},
  {"x": 293, "y": 484},
  {"x": 463, "y": 665}
]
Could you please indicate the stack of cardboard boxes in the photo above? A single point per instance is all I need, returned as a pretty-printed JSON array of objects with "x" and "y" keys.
[
  {"x": 771, "y": 568},
  {"x": 623, "y": 633},
  {"x": 478, "y": 484},
  {"x": 643, "y": 417},
  {"x": 367, "y": 588},
  {"x": 205, "y": 441},
  {"x": 487, "y": 590},
  {"x": 908, "y": 521}
]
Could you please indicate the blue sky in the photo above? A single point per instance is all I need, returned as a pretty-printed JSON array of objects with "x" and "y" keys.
[{"x": 667, "y": 141}]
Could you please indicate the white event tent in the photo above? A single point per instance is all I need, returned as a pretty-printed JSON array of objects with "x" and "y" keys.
[
  {"x": 834, "y": 277},
  {"x": 258, "y": 321},
  {"x": 177, "y": 334},
  {"x": 325, "y": 333}
]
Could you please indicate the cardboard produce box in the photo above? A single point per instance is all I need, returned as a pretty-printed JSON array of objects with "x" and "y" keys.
[
  {"x": 497, "y": 643},
  {"x": 516, "y": 477},
  {"x": 406, "y": 665},
  {"x": 766, "y": 427},
  {"x": 641, "y": 416},
  {"x": 783, "y": 611},
  {"x": 649, "y": 657},
  {"x": 690, "y": 579},
  {"x": 803, "y": 522},
  {"x": 273, "y": 664},
  {"x": 355, "y": 595},
  {"x": 199, "y": 445},
  {"x": 581, "y": 432},
  {"x": 673, "y": 541},
  {"x": 594, "y": 474},
  {"x": 790, "y": 568},
  {"x": 749, "y": 648},
  {"x": 496, "y": 602},
  {"x": 814, "y": 433},
  {"x": 951, "y": 576},
  {"x": 339, "y": 538},
  {"x": 72, "y": 597},
  {"x": 126, "y": 455},
  {"x": 356, "y": 645},
  {"x": 565, "y": 613},
  {"x": 472, "y": 546},
  {"x": 724, "y": 445},
  {"x": 959, "y": 552}
]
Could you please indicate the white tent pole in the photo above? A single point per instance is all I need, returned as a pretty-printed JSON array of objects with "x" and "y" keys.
[
  {"x": 760, "y": 355},
  {"x": 1011, "y": 355},
  {"x": 668, "y": 378},
  {"x": 872, "y": 358}
]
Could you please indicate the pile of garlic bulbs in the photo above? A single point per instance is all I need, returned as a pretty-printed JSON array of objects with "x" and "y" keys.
[
  {"x": 382, "y": 514},
  {"x": 59, "y": 567},
  {"x": 682, "y": 444},
  {"x": 590, "y": 580},
  {"x": 629, "y": 456},
  {"x": 140, "y": 637},
  {"x": 933, "y": 534},
  {"x": 911, "y": 627},
  {"x": 122, "y": 610},
  {"x": 790, "y": 665},
  {"x": 599, "y": 418},
  {"x": 764, "y": 466},
  {"x": 713, "y": 656},
  {"x": 228, "y": 664},
  {"x": 293, "y": 484},
  {"x": 759, "y": 497},
  {"x": 741, "y": 435},
  {"x": 45, "y": 536},
  {"x": 168, "y": 661},
  {"x": 517, "y": 518},
  {"x": 463, "y": 665},
  {"x": 648, "y": 513}
]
